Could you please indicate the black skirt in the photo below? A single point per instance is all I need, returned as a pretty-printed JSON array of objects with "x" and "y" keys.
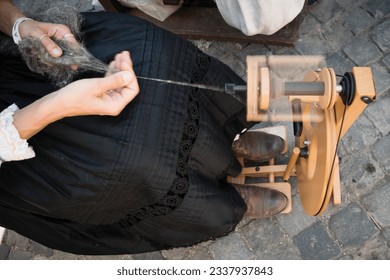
[{"x": 149, "y": 179}]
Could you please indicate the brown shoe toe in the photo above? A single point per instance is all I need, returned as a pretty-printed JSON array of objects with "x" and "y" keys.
[
  {"x": 258, "y": 146},
  {"x": 261, "y": 202}
]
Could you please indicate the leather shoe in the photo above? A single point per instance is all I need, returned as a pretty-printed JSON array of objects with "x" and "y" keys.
[
  {"x": 261, "y": 202},
  {"x": 258, "y": 146}
]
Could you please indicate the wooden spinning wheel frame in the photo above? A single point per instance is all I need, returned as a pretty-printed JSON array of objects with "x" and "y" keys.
[{"x": 316, "y": 169}]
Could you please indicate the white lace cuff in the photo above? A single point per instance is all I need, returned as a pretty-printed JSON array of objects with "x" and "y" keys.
[{"x": 12, "y": 147}]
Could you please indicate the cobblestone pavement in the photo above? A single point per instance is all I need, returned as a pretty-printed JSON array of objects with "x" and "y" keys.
[{"x": 349, "y": 33}]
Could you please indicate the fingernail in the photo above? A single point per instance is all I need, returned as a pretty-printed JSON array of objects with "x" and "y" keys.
[{"x": 56, "y": 52}]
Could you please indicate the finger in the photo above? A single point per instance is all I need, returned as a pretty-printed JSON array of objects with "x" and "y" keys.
[
  {"x": 117, "y": 80},
  {"x": 70, "y": 38},
  {"x": 127, "y": 58},
  {"x": 126, "y": 66},
  {"x": 123, "y": 57},
  {"x": 111, "y": 68},
  {"x": 129, "y": 93},
  {"x": 118, "y": 60},
  {"x": 52, "y": 48},
  {"x": 62, "y": 32}
]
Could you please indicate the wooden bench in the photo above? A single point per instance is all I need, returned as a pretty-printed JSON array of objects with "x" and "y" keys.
[{"x": 203, "y": 21}]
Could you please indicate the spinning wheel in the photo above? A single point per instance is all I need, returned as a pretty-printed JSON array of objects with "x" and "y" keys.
[
  {"x": 318, "y": 140},
  {"x": 322, "y": 113}
]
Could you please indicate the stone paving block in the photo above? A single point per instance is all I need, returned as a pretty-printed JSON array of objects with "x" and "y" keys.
[
  {"x": 350, "y": 4},
  {"x": 342, "y": 152},
  {"x": 362, "y": 51},
  {"x": 308, "y": 25},
  {"x": 40, "y": 249},
  {"x": 345, "y": 256},
  {"x": 362, "y": 134},
  {"x": 223, "y": 50},
  {"x": 148, "y": 256},
  {"x": 351, "y": 226},
  {"x": 381, "y": 35},
  {"x": 326, "y": 11},
  {"x": 315, "y": 243},
  {"x": 263, "y": 234},
  {"x": 14, "y": 239},
  {"x": 59, "y": 255},
  {"x": 39, "y": 257},
  {"x": 357, "y": 19},
  {"x": 386, "y": 61},
  {"x": 175, "y": 254},
  {"x": 297, "y": 220},
  {"x": 4, "y": 251},
  {"x": 312, "y": 44},
  {"x": 254, "y": 49},
  {"x": 346, "y": 196},
  {"x": 231, "y": 247},
  {"x": 196, "y": 252},
  {"x": 281, "y": 50},
  {"x": 378, "y": 204},
  {"x": 386, "y": 235},
  {"x": 227, "y": 53},
  {"x": 199, "y": 254},
  {"x": 107, "y": 257},
  {"x": 378, "y": 8},
  {"x": 310, "y": 39},
  {"x": 340, "y": 63},
  {"x": 381, "y": 78},
  {"x": 284, "y": 250},
  {"x": 378, "y": 112},
  {"x": 374, "y": 249},
  {"x": 19, "y": 255},
  {"x": 336, "y": 35},
  {"x": 361, "y": 173},
  {"x": 381, "y": 152}
]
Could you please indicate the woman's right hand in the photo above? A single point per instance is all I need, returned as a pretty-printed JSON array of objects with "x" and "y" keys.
[
  {"x": 96, "y": 96},
  {"x": 101, "y": 96}
]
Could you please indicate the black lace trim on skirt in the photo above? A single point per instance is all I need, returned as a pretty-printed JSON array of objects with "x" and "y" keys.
[{"x": 180, "y": 185}]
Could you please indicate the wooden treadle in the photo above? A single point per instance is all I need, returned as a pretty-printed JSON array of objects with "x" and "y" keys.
[{"x": 202, "y": 22}]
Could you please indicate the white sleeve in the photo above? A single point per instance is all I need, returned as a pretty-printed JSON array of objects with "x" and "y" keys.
[
  {"x": 12, "y": 147},
  {"x": 259, "y": 16}
]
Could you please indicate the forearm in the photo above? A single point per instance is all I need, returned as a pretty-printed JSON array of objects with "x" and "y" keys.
[
  {"x": 36, "y": 116},
  {"x": 8, "y": 15}
]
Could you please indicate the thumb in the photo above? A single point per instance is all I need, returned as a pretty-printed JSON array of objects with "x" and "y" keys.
[
  {"x": 50, "y": 46},
  {"x": 117, "y": 80}
]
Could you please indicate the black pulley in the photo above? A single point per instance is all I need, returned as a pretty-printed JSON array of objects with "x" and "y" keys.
[
  {"x": 297, "y": 112},
  {"x": 348, "y": 86}
]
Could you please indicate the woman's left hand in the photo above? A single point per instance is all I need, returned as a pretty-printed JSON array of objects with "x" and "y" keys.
[{"x": 44, "y": 32}]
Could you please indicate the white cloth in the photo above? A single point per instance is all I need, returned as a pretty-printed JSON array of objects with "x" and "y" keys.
[
  {"x": 12, "y": 147},
  {"x": 259, "y": 16},
  {"x": 153, "y": 8}
]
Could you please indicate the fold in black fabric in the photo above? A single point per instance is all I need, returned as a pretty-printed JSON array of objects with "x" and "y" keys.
[{"x": 151, "y": 178}]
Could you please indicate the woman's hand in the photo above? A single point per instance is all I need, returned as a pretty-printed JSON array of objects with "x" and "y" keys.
[
  {"x": 101, "y": 96},
  {"x": 97, "y": 96},
  {"x": 44, "y": 32},
  {"x": 32, "y": 28}
]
